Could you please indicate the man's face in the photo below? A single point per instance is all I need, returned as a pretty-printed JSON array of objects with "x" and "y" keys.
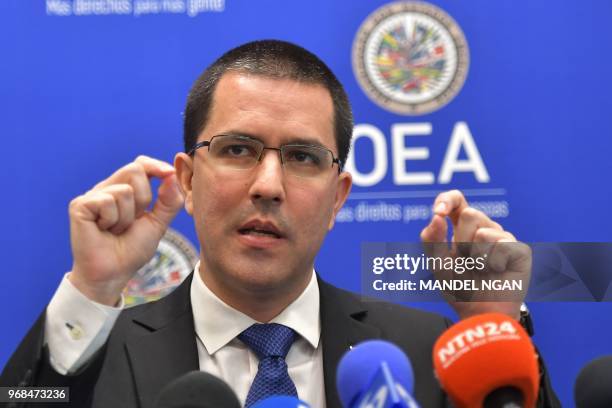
[{"x": 260, "y": 229}]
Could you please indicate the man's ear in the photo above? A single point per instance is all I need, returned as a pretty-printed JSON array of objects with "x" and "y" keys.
[
  {"x": 183, "y": 163},
  {"x": 345, "y": 182}
]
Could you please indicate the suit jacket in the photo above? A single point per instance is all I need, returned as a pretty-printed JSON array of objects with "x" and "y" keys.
[{"x": 152, "y": 344}]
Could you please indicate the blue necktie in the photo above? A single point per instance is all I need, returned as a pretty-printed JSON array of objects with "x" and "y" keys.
[{"x": 271, "y": 343}]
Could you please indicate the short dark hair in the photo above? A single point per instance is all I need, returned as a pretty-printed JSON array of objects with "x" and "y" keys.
[{"x": 274, "y": 59}]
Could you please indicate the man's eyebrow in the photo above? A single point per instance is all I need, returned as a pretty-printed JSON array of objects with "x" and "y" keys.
[
  {"x": 302, "y": 140},
  {"x": 305, "y": 141},
  {"x": 239, "y": 133}
]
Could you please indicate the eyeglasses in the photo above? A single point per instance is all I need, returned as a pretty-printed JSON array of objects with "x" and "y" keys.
[{"x": 244, "y": 152}]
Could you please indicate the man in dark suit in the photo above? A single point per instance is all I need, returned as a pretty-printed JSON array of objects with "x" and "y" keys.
[{"x": 267, "y": 131}]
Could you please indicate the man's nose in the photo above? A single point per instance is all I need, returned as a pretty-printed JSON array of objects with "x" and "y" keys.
[{"x": 268, "y": 182}]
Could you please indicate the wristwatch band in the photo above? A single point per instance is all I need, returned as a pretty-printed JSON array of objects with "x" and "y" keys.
[{"x": 526, "y": 321}]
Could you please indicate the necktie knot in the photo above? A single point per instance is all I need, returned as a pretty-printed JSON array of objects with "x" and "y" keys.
[{"x": 268, "y": 340}]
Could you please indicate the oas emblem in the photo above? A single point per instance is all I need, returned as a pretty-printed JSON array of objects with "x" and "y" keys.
[
  {"x": 174, "y": 259},
  {"x": 410, "y": 57}
]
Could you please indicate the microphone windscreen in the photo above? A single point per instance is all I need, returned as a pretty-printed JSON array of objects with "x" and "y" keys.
[
  {"x": 359, "y": 365},
  {"x": 484, "y": 354},
  {"x": 281, "y": 401},
  {"x": 197, "y": 389},
  {"x": 593, "y": 388}
]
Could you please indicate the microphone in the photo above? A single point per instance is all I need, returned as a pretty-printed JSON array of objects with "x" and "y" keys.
[
  {"x": 592, "y": 388},
  {"x": 375, "y": 374},
  {"x": 487, "y": 361},
  {"x": 197, "y": 389},
  {"x": 281, "y": 401}
]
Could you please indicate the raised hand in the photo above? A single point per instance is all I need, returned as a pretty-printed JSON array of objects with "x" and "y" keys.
[
  {"x": 474, "y": 234},
  {"x": 113, "y": 234}
]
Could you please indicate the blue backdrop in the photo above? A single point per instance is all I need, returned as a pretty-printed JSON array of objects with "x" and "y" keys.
[{"x": 86, "y": 86}]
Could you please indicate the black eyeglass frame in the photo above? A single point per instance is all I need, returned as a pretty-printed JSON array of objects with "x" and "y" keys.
[{"x": 206, "y": 143}]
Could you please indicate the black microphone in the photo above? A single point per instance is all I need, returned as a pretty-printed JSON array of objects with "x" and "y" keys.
[
  {"x": 197, "y": 389},
  {"x": 593, "y": 388}
]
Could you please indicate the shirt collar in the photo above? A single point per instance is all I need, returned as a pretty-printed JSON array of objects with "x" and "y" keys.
[{"x": 217, "y": 323}]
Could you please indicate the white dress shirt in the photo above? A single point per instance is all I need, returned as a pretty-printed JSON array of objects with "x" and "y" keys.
[
  {"x": 217, "y": 325},
  {"x": 77, "y": 327}
]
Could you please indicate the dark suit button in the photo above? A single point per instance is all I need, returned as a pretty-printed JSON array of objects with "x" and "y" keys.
[{"x": 26, "y": 379}]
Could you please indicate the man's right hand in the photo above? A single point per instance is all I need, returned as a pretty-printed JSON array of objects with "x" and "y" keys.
[{"x": 111, "y": 231}]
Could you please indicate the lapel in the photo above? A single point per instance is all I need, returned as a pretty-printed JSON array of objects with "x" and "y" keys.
[
  {"x": 169, "y": 349},
  {"x": 342, "y": 326}
]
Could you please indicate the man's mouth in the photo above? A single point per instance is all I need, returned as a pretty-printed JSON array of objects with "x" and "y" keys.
[
  {"x": 260, "y": 232},
  {"x": 260, "y": 228}
]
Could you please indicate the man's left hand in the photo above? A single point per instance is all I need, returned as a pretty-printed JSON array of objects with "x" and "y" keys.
[{"x": 472, "y": 226}]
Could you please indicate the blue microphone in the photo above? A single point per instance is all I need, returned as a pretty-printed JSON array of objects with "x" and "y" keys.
[
  {"x": 376, "y": 374},
  {"x": 281, "y": 401}
]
